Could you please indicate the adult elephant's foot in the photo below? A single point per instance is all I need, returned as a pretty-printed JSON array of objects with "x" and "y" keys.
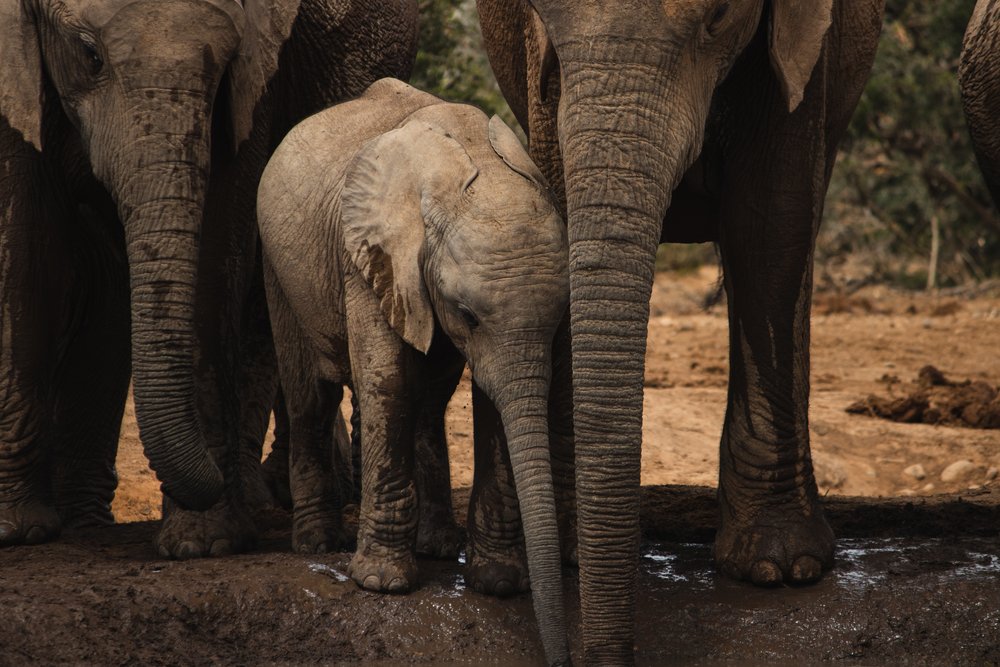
[
  {"x": 501, "y": 574},
  {"x": 28, "y": 522},
  {"x": 220, "y": 531},
  {"x": 383, "y": 572},
  {"x": 775, "y": 546},
  {"x": 438, "y": 536},
  {"x": 318, "y": 532}
]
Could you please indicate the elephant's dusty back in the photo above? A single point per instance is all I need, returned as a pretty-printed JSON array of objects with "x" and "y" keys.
[{"x": 979, "y": 75}]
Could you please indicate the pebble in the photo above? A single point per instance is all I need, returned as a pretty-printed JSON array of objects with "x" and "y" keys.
[
  {"x": 992, "y": 472},
  {"x": 915, "y": 471},
  {"x": 928, "y": 487},
  {"x": 907, "y": 492},
  {"x": 957, "y": 471}
]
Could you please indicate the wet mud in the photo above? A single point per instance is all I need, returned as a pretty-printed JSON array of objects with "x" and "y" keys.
[{"x": 916, "y": 581}]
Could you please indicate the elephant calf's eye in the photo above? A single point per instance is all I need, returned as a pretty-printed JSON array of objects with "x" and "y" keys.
[
  {"x": 470, "y": 317},
  {"x": 93, "y": 56}
]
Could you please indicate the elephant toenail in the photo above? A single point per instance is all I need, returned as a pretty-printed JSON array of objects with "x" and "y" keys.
[
  {"x": 35, "y": 535},
  {"x": 765, "y": 573},
  {"x": 187, "y": 550},
  {"x": 503, "y": 588},
  {"x": 397, "y": 585},
  {"x": 6, "y": 530},
  {"x": 372, "y": 583},
  {"x": 221, "y": 548},
  {"x": 806, "y": 569}
]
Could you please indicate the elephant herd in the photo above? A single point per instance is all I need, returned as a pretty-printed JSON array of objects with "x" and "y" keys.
[{"x": 167, "y": 218}]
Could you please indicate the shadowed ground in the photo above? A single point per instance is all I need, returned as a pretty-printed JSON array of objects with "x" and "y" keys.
[{"x": 916, "y": 580}]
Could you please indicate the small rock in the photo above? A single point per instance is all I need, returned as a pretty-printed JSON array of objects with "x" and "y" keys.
[
  {"x": 916, "y": 471},
  {"x": 992, "y": 472},
  {"x": 957, "y": 471},
  {"x": 927, "y": 323},
  {"x": 928, "y": 487},
  {"x": 907, "y": 492},
  {"x": 975, "y": 487},
  {"x": 820, "y": 428}
]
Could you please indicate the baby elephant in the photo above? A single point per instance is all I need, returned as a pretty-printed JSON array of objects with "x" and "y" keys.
[{"x": 404, "y": 236}]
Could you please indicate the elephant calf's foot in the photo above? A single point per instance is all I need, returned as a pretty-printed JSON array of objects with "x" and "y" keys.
[
  {"x": 499, "y": 576},
  {"x": 220, "y": 531},
  {"x": 383, "y": 574},
  {"x": 438, "y": 536},
  {"x": 28, "y": 522},
  {"x": 793, "y": 548},
  {"x": 318, "y": 533}
]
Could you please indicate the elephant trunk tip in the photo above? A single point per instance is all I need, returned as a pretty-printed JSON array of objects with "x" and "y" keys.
[{"x": 198, "y": 488}]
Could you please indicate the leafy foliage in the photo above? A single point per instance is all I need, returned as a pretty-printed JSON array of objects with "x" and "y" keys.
[
  {"x": 907, "y": 161},
  {"x": 452, "y": 62}
]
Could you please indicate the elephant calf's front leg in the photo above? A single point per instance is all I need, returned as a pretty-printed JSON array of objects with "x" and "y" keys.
[{"x": 387, "y": 525}]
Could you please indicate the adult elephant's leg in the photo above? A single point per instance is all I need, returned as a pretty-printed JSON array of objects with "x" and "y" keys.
[
  {"x": 90, "y": 390},
  {"x": 438, "y": 535},
  {"x": 28, "y": 322},
  {"x": 257, "y": 380},
  {"x": 772, "y": 527},
  {"x": 496, "y": 562}
]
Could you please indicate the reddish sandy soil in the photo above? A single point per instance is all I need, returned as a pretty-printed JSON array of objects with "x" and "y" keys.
[{"x": 916, "y": 578}]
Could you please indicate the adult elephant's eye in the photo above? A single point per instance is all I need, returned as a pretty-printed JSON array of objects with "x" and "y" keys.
[
  {"x": 470, "y": 317},
  {"x": 716, "y": 17},
  {"x": 94, "y": 61}
]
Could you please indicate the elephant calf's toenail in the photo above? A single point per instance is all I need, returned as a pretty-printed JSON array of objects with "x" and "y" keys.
[
  {"x": 371, "y": 583},
  {"x": 765, "y": 573},
  {"x": 221, "y": 548},
  {"x": 397, "y": 585},
  {"x": 806, "y": 569}
]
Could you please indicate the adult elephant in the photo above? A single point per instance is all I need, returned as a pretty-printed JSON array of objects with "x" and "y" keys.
[
  {"x": 132, "y": 137},
  {"x": 979, "y": 77},
  {"x": 693, "y": 120}
]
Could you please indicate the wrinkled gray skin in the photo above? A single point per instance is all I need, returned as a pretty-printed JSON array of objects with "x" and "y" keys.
[
  {"x": 132, "y": 137},
  {"x": 403, "y": 236},
  {"x": 979, "y": 77},
  {"x": 688, "y": 120}
]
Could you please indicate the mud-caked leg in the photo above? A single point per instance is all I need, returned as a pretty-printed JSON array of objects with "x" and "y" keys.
[
  {"x": 496, "y": 563},
  {"x": 384, "y": 374},
  {"x": 316, "y": 526},
  {"x": 438, "y": 535},
  {"x": 772, "y": 528}
]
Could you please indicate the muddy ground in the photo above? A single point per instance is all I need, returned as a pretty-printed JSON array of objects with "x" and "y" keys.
[{"x": 914, "y": 506}]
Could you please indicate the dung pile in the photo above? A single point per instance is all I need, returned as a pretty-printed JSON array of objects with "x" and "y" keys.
[{"x": 933, "y": 399}]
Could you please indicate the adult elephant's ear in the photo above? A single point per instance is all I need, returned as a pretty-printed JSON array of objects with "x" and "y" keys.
[
  {"x": 392, "y": 185},
  {"x": 20, "y": 72},
  {"x": 798, "y": 28},
  {"x": 506, "y": 144},
  {"x": 268, "y": 26}
]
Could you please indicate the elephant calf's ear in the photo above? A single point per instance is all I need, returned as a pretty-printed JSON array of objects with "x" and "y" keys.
[
  {"x": 383, "y": 232},
  {"x": 507, "y": 146},
  {"x": 798, "y": 28},
  {"x": 20, "y": 72}
]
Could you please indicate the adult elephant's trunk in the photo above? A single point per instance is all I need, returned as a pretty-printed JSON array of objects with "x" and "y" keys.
[
  {"x": 627, "y": 131},
  {"x": 520, "y": 393},
  {"x": 160, "y": 191}
]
